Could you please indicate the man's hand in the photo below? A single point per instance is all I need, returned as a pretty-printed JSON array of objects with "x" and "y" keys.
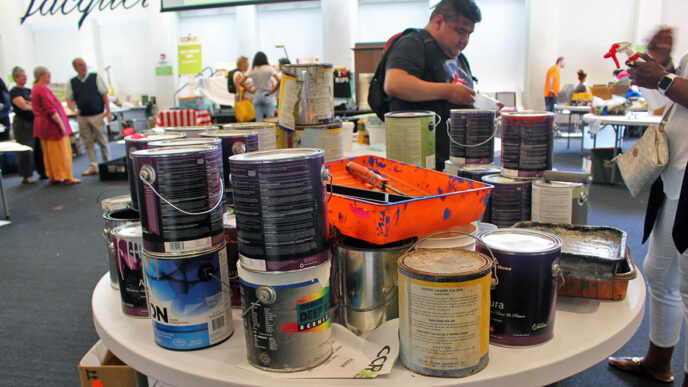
[
  {"x": 646, "y": 74},
  {"x": 108, "y": 116},
  {"x": 459, "y": 94}
]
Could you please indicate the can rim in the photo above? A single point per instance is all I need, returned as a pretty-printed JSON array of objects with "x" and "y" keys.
[
  {"x": 183, "y": 255},
  {"x": 108, "y": 215},
  {"x": 486, "y": 268},
  {"x": 331, "y": 125},
  {"x": 174, "y": 150},
  {"x": 410, "y": 114},
  {"x": 545, "y": 235},
  {"x": 162, "y": 136},
  {"x": 535, "y": 114},
  {"x": 281, "y": 155},
  {"x": 497, "y": 178},
  {"x": 120, "y": 231},
  {"x": 557, "y": 184},
  {"x": 229, "y": 133},
  {"x": 186, "y": 141},
  {"x": 248, "y": 125}
]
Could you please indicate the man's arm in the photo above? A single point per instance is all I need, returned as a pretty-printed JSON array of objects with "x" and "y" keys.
[
  {"x": 69, "y": 97},
  {"x": 106, "y": 101},
  {"x": 402, "y": 85},
  {"x": 551, "y": 82}
]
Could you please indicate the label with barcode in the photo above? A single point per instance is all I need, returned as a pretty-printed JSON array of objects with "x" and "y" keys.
[
  {"x": 188, "y": 245},
  {"x": 218, "y": 323}
]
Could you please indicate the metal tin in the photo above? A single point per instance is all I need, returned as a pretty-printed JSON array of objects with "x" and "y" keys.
[
  {"x": 114, "y": 219},
  {"x": 115, "y": 203},
  {"x": 444, "y": 309},
  {"x": 188, "y": 141},
  {"x": 527, "y": 143},
  {"x": 180, "y": 191},
  {"x": 477, "y": 171},
  {"x": 194, "y": 131},
  {"x": 189, "y": 305},
  {"x": 306, "y": 95},
  {"x": 267, "y": 132},
  {"x": 367, "y": 276},
  {"x": 460, "y": 239},
  {"x": 327, "y": 137},
  {"x": 410, "y": 137},
  {"x": 472, "y": 136},
  {"x": 232, "y": 243},
  {"x": 524, "y": 300},
  {"x": 559, "y": 202},
  {"x": 510, "y": 201},
  {"x": 287, "y": 318},
  {"x": 128, "y": 246},
  {"x": 281, "y": 212}
]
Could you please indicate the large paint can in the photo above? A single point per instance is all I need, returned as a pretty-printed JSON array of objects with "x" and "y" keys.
[
  {"x": 193, "y": 131},
  {"x": 128, "y": 251},
  {"x": 367, "y": 276},
  {"x": 527, "y": 143},
  {"x": 281, "y": 208},
  {"x": 306, "y": 95},
  {"x": 510, "y": 200},
  {"x": 460, "y": 237},
  {"x": 232, "y": 243},
  {"x": 559, "y": 202},
  {"x": 189, "y": 304},
  {"x": 188, "y": 141},
  {"x": 140, "y": 141},
  {"x": 287, "y": 318},
  {"x": 524, "y": 300},
  {"x": 444, "y": 311},
  {"x": 180, "y": 191},
  {"x": 327, "y": 137},
  {"x": 119, "y": 202},
  {"x": 410, "y": 137},
  {"x": 267, "y": 132},
  {"x": 471, "y": 136},
  {"x": 477, "y": 171},
  {"x": 114, "y": 219}
]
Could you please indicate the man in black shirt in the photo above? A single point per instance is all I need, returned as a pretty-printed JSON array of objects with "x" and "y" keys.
[{"x": 427, "y": 71}]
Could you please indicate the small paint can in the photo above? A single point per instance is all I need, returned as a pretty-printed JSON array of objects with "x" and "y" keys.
[
  {"x": 140, "y": 141},
  {"x": 281, "y": 208},
  {"x": 471, "y": 136},
  {"x": 477, "y": 171},
  {"x": 232, "y": 243},
  {"x": 444, "y": 311},
  {"x": 459, "y": 237},
  {"x": 190, "y": 306},
  {"x": 367, "y": 276},
  {"x": 287, "y": 319},
  {"x": 510, "y": 200},
  {"x": 524, "y": 300},
  {"x": 267, "y": 132},
  {"x": 410, "y": 137},
  {"x": 306, "y": 95},
  {"x": 128, "y": 251},
  {"x": 181, "y": 193},
  {"x": 527, "y": 143},
  {"x": 114, "y": 219},
  {"x": 119, "y": 202},
  {"x": 559, "y": 202},
  {"x": 194, "y": 131},
  {"x": 327, "y": 137}
]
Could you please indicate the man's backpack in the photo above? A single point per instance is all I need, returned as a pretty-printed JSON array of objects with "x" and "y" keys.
[{"x": 230, "y": 82}]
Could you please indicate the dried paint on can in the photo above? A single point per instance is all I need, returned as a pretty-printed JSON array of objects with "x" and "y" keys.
[
  {"x": 306, "y": 95},
  {"x": 444, "y": 310},
  {"x": 119, "y": 202},
  {"x": 267, "y": 132},
  {"x": 527, "y": 143},
  {"x": 410, "y": 137},
  {"x": 510, "y": 200},
  {"x": 287, "y": 318},
  {"x": 114, "y": 219},
  {"x": 232, "y": 243},
  {"x": 524, "y": 300},
  {"x": 559, "y": 202},
  {"x": 471, "y": 138},
  {"x": 326, "y": 137},
  {"x": 128, "y": 244},
  {"x": 281, "y": 209},
  {"x": 180, "y": 192},
  {"x": 189, "y": 306}
]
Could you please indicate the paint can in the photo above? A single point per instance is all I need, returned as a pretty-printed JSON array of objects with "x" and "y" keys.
[
  {"x": 471, "y": 134},
  {"x": 306, "y": 95},
  {"x": 194, "y": 131},
  {"x": 524, "y": 300},
  {"x": 188, "y": 141},
  {"x": 460, "y": 237},
  {"x": 367, "y": 276},
  {"x": 140, "y": 141},
  {"x": 232, "y": 245},
  {"x": 327, "y": 137},
  {"x": 180, "y": 191},
  {"x": 410, "y": 137},
  {"x": 267, "y": 132},
  {"x": 450, "y": 168},
  {"x": 510, "y": 200},
  {"x": 287, "y": 319},
  {"x": 527, "y": 143},
  {"x": 444, "y": 311},
  {"x": 119, "y": 202},
  {"x": 477, "y": 171},
  {"x": 190, "y": 306},
  {"x": 281, "y": 208},
  {"x": 128, "y": 250},
  {"x": 114, "y": 219},
  {"x": 559, "y": 202}
]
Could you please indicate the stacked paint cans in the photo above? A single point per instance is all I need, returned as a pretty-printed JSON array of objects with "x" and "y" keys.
[
  {"x": 410, "y": 137},
  {"x": 471, "y": 135},
  {"x": 510, "y": 200},
  {"x": 114, "y": 219},
  {"x": 284, "y": 257},
  {"x": 527, "y": 144}
]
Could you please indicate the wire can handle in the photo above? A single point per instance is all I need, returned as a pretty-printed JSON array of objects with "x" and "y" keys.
[{"x": 494, "y": 132}]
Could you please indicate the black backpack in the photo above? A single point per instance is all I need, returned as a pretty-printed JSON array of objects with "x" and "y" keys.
[{"x": 230, "y": 81}]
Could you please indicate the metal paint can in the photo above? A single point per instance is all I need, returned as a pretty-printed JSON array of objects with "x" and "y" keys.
[
  {"x": 114, "y": 219},
  {"x": 281, "y": 208},
  {"x": 287, "y": 318},
  {"x": 460, "y": 239},
  {"x": 188, "y": 141},
  {"x": 140, "y": 141},
  {"x": 181, "y": 195},
  {"x": 471, "y": 138},
  {"x": 367, "y": 276},
  {"x": 232, "y": 243},
  {"x": 327, "y": 137},
  {"x": 510, "y": 200},
  {"x": 190, "y": 306},
  {"x": 559, "y": 202},
  {"x": 527, "y": 143},
  {"x": 115, "y": 203},
  {"x": 128, "y": 250},
  {"x": 524, "y": 301},
  {"x": 477, "y": 171},
  {"x": 306, "y": 95},
  {"x": 267, "y": 132},
  {"x": 410, "y": 137},
  {"x": 444, "y": 311},
  {"x": 194, "y": 131}
]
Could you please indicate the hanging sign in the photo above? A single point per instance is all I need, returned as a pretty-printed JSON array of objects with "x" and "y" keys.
[
  {"x": 190, "y": 55},
  {"x": 163, "y": 67}
]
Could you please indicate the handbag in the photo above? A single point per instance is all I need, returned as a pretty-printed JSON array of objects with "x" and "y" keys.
[
  {"x": 646, "y": 159},
  {"x": 243, "y": 109}
]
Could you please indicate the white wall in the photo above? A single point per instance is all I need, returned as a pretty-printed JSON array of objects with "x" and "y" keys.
[{"x": 378, "y": 21}]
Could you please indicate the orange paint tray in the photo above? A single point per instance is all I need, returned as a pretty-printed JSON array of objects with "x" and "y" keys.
[{"x": 439, "y": 201}]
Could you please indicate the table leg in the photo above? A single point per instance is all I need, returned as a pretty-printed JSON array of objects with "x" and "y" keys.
[
  {"x": 618, "y": 141},
  {"x": 568, "y": 139}
]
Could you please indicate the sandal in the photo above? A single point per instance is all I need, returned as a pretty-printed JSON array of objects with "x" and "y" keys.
[
  {"x": 54, "y": 182},
  {"x": 28, "y": 180},
  {"x": 72, "y": 181},
  {"x": 633, "y": 365}
]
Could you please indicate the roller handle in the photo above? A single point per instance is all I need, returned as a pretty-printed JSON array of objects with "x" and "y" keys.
[
  {"x": 368, "y": 176},
  {"x": 572, "y": 177}
]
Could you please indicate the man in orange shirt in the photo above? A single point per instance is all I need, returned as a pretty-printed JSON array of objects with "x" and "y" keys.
[{"x": 552, "y": 83}]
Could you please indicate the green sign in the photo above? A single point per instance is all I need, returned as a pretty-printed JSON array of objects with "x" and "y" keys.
[
  {"x": 59, "y": 89},
  {"x": 190, "y": 59},
  {"x": 163, "y": 70}
]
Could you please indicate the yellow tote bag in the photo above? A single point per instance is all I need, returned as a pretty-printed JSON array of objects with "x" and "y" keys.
[{"x": 243, "y": 109}]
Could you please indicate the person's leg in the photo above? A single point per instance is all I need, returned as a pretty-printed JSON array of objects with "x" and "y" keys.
[
  {"x": 38, "y": 158},
  {"x": 23, "y": 134},
  {"x": 86, "y": 131},
  {"x": 98, "y": 125},
  {"x": 47, "y": 159},
  {"x": 258, "y": 107},
  {"x": 269, "y": 107}
]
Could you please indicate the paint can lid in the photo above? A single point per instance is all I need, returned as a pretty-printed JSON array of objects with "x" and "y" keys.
[
  {"x": 480, "y": 168},
  {"x": 277, "y": 155},
  {"x": 131, "y": 230},
  {"x": 185, "y": 142},
  {"x": 556, "y": 184},
  {"x": 410, "y": 114},
  {"x": 249, "y": 125},
  {"x": 174, "y": 150},
  {"x": 499, "y": 179},
  {"x": 229, "y": 133},
  {"x": 513, "y": 241},
  {"x": 445, "y": 262},
  {"x": 150, "y": 136}
]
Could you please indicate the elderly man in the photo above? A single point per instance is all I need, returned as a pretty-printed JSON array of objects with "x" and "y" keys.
[{"x": 89, "y": 92}]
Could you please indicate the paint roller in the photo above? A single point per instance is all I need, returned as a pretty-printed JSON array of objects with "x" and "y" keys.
[
  {"x": 571, "y": 177},
  {"x": 366, "y": 175}
]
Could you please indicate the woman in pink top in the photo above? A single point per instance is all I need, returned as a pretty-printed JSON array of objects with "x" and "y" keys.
[{"x": 52, "y": 128}]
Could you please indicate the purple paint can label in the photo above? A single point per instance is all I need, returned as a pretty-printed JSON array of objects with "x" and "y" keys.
[
  {"x": 510, "y": 200},
  {"x": 128, "y": 250},
  {"x": 527, "y": 144},
  {"x": 474, "y": 129}
]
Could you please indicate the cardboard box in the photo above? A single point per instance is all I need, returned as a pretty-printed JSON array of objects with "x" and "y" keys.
[{"x": 100, "y": 368}]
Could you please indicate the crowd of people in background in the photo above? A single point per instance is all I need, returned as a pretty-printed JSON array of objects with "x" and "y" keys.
[{"x": 261, "y": 82}]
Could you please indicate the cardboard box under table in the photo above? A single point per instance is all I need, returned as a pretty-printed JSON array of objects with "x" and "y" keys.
[{"x": 100, "y": 368}]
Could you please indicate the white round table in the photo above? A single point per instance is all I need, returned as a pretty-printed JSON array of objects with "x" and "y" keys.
[{"x": 586, "y": 331}]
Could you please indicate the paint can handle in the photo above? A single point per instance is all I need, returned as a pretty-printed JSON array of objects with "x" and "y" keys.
[{"x": 494, "y": 132}]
